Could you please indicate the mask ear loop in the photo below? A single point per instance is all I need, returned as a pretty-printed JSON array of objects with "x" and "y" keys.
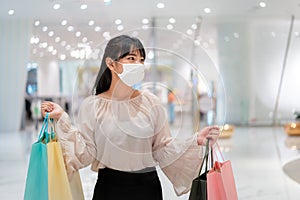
[{"x": 120, "y": 64}]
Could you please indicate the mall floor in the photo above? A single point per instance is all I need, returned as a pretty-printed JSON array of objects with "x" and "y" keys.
[{"x": 258, "y": 155}]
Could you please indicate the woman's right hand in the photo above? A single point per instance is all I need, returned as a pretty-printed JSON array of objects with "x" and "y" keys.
[{"x": 54, "y": 109}]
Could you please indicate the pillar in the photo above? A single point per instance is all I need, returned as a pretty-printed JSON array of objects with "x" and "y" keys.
[{"x": 14, "y": 52}]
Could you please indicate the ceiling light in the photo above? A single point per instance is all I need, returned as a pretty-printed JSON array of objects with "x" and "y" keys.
[
  {"x": 236, "y": 35},
  {"x": 84, "y": 40},
  {"x": 189, "y": 32},
  {"x": 62, "y": 56},
  {"x": 37, "y": 22},
  {"x": 63, "y": 43},
  {"x": 56, "y": 6},
  {"x": 262, "y": 4},
  {"x": 51, "y": 33},
  {"x": 297, "y": 34},
  {"x": 91, "y": 22},
  {"x": 34, "y": 40},
  {"x": 194, "y": 26},
  {"x": 57, "y": 39},
  {"x": 207, "y": 10},
  {"x": 160, "y": 5},
  {"x": 170, "y": 26},
  {"x": 54, "y": 52},
  {"x": 74, "y": 53},
  {"x": 44, "y": 45},
  {"x": 50, "y": 48},
  {"x": 45, "y": 28},
  {"x": 77, "y": 34},
  {"x": 145, "y": 21},
  {"x": 120, "y": 27},
  {"x": 172, "y": 20},
  {"x": 83, "y": 6},
  {"x": 68, "y": 47},
  {"x": 34, "y": 51},
  {"x": 64, "y": 22},
  {"x": 106, "y": 34},
  {"x": 97, "y": 28},
  {"x": 11, "y": 12},
  {"x": 197, "y": 42},
  {"x": 118, "y": 21},
  {"x": 70, "y": 28}
]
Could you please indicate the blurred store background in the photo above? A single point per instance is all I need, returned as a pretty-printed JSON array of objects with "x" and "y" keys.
[{"x": 232, "y": 63}]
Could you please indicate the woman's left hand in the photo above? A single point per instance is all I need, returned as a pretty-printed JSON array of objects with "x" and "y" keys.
[{"x": 211, "y": 132}]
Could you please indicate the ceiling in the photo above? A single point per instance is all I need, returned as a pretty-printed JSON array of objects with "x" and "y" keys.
[{"x": 57, "y": 42}]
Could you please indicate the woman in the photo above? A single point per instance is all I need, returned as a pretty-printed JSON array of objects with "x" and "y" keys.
[{"x": 124, "y": 132}]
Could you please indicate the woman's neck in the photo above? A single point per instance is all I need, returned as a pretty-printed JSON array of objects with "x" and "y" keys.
[{"x": 120, "y": 91}]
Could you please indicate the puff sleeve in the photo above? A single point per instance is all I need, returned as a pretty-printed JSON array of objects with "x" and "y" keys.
[
  {"x": 179, "y": 158},
  {"x": 77, "y": 143}
]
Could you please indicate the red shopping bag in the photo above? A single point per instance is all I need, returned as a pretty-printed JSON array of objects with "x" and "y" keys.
[{"x": 220, "y": 182}]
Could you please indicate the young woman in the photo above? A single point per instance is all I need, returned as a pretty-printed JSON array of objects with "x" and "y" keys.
[{"x": 124, "y": 133}]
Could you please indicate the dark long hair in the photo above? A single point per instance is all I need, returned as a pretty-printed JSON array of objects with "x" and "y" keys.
[{"x": 116, "y": 48}]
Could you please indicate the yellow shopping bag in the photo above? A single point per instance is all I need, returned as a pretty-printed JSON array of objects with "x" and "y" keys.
[
  {"x": 58, "y": 183},
  {"x": 76, "y": 187}
]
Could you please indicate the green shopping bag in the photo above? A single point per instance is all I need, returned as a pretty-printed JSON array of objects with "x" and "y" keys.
[{"x": 36, "y": 187}]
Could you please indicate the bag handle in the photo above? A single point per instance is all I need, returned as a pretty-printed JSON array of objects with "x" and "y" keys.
[
  {"x": 44, "y": 127},
  {"x": 51, "y": 130},
  {"x": 47, "y": 132},
  {"x": 218, "y": 152},
  {"x": 205, "y": 159}
]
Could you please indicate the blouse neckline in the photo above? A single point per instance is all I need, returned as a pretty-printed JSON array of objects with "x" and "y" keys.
[{"x": 124, "y": 100}]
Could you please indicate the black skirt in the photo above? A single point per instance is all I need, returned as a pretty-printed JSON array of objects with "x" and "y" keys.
[{"x": 115, "y": 185}]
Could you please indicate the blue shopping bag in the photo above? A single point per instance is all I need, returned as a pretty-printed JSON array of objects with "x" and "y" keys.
[{"x": 36, "y": 187}]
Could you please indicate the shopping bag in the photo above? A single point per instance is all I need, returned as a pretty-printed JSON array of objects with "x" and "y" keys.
[
  {"x": 199, "y": 184},
  {"x": 36, "y": 186},
  {"x": 47, "y": 177},
  {"x": 76, "y": 187},
  {"x": 58, "y": 183},
  {"x": 37, "y": 173},
  {"x": 220, "y": 181}
]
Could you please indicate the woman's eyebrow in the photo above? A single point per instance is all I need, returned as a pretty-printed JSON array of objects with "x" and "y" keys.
[{"x": 131, "y": 54}]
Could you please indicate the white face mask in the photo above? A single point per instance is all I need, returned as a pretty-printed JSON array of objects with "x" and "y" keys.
[{"x": 132, "y": 73}]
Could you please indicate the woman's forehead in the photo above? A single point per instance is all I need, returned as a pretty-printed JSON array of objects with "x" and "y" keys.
[{"x": 135, "y": 52}]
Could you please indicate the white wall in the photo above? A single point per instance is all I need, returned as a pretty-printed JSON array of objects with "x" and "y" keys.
[
  {"x": 48, "y": 78},
  {"x": 269, "y": 39},
  {"x": 251, "y": 66},
  {"x": 235, "y": 70},
  {"x": 14, "y": 52}
]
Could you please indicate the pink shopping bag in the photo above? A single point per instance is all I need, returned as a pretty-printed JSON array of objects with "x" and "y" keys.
[{"x": 220, "y": 182}]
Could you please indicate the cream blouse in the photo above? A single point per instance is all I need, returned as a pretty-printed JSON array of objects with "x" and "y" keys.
[{"x": 128, "y": 135}]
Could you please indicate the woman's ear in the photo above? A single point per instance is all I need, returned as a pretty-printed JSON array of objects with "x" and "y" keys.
[{"x": 109, "y": 63}]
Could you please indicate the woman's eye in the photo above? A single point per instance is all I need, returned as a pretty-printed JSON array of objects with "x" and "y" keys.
[{"x": 130, "y": 58}]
